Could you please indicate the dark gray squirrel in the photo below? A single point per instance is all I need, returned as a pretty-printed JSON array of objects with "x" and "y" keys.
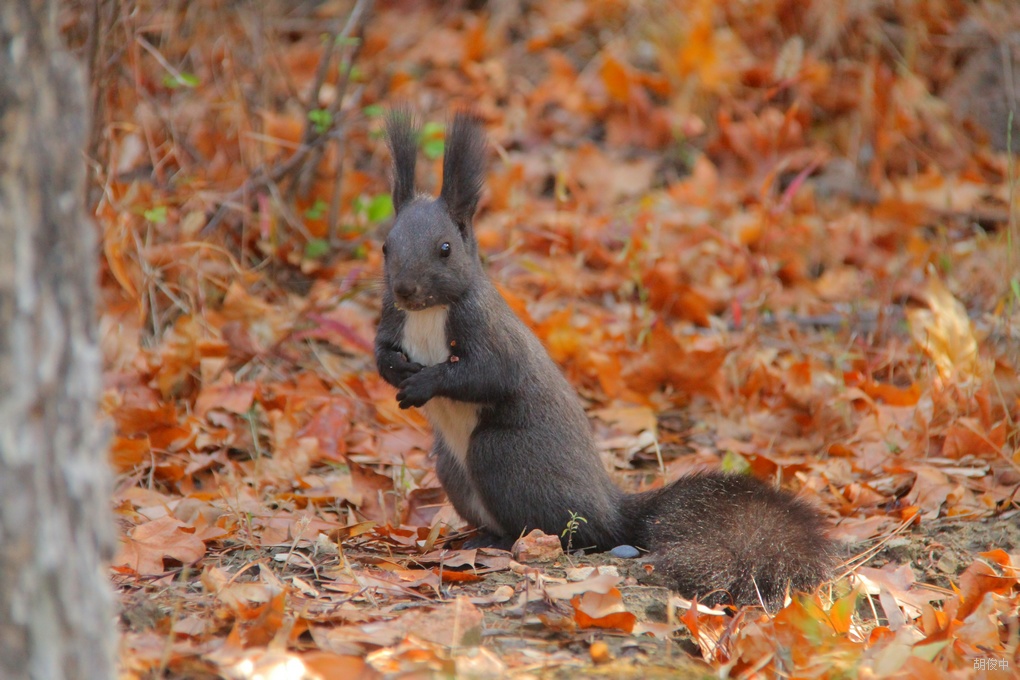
[{"x": 513, "y": 447}]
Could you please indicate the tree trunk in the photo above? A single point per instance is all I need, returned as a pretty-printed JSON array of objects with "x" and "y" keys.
[{"x": 56, "y": 614}]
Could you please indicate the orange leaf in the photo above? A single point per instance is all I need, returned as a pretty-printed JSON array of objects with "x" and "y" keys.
[
  {"x": 975, "y": 581},
  {"x": 475, "y": 47},
  {"x": 518, "y": 305},
  {"x": 999, "y": 556},
  {"x": 448, "y": 576},
  {"x": 330, "y": 666},
  {"x": 892, "y": 395},
  {"x": 910, "y": 512},
  {"x": 965, "y": 438},
  {"x": 602, "y": 610},
  {"x": 227, "y": 395},
  {"x": 282, "y": 131},
  {"x": 160, "y": 424},
  {"x": 145, "y": 547},
  {"x": 377, "y": 501},
  {"x": 607, "y": 369},
  {"x": 667, "y": 293},
  {"x": 562, "y": 339},
  {"x": 127, "y": 452},
  {"x": 691, "y": 367},
  {"x": 270, "y": 619},
  {"x": 616, "y": 78},
  {"x": 114, "y": 247},
  {"x": 330, "y": 425},
  {"x": 841, "y": 613},
  {"x": 690, "y": 619}
]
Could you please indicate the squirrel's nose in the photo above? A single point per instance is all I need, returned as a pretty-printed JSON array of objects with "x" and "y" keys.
[{"x": 405, "y": 289}]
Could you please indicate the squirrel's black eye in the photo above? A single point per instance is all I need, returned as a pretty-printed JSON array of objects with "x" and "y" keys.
[{"x": 444, "y": 249}]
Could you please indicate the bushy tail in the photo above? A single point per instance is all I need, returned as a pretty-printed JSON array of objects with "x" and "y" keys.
[{"x": 731, "y": 539}]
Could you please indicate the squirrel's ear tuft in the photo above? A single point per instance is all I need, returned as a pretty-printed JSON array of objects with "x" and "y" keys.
[
  {"x": 463, "y": 167},
  {"x": 402, "y": 133}
]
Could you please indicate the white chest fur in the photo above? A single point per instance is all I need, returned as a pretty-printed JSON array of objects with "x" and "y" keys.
[
  {"x": 425, "y": 336},
  {"x": 425, "y": 342}
]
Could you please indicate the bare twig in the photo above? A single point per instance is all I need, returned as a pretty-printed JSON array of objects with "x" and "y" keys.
[
  {"x": 333, "y": 223},
  {"x": 306, "y": 155},
  {"x": 307, "y": 172},
  {"x": 261, "y": 178}
]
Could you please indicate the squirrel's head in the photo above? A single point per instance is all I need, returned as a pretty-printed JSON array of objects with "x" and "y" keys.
[{"x": 431, "y": 253}]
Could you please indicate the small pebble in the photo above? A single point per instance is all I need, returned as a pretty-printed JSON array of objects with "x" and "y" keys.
[
  {"x": 625, "y": 551},
  {"x": 600, "y": 653}
]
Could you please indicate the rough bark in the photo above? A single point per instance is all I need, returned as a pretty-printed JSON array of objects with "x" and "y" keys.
[{"x": 56, "y": 613}]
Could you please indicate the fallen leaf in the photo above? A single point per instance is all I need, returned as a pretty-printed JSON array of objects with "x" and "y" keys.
[
  {"x": 597, "y": 583},
  {"x": 537, "y": 547},
  {"x": 226, "y": 394},
  {"x": 457, "y": 624},
  {"x": 602, "y": 610},
  {"x": 145, "y": 546},
  {"x": 945, "y": 333}
]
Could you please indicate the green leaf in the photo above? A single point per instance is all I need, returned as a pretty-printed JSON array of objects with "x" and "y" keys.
[
  {"x": 380, "y": 208},
  {"x": 180, "y": 80},
  {"x": 347, "y": 40},
  {"x": 929, "y": 651},
  {"x": 353, "y": 70},
  {"x": 432, "y": 142},
  {"x": 156, "y": 214},
  {"x": 317, "y": 210},
  {"x": 321, "y": 120},
  {"x": 734, "y": 462},
  {"x": 432, "y": 129},
  {"x": 433, "y": 149},
  {"x": 316, "y": 248},
  {"x": 373, "y": 110}
]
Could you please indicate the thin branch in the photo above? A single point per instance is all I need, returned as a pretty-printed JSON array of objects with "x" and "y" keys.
[
  {"x": 303, "y": 183},
  {"x": 312, "y": 142},
  {"x": 333, "y": 224}
]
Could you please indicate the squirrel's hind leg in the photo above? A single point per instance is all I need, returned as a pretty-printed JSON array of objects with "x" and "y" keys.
[{"x": 461, "y": 491}]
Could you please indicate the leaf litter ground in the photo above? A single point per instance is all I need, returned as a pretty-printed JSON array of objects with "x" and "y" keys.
[{"x": 765, "y": 237}]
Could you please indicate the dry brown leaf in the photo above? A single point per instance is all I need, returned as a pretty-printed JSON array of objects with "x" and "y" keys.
[
  {"x": 945, "y": 333},
  {"x": 688, "y": 367},
  {"x": 226, "y": 394},
  {"x": 457, "y": 624},
  {"x": 602, "y": 610},
  {"x": 598, "y": 583},
  {"x": 144, "y": 548},
  {"x": 537, "y": 547}
]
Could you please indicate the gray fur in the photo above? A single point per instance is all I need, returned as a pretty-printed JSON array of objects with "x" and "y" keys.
[
  {"x": 402, "y": 130},
  {"x": 513, "y": 447}
]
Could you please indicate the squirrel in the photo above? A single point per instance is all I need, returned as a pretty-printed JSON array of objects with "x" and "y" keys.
[{"x": 513, "y": 447}]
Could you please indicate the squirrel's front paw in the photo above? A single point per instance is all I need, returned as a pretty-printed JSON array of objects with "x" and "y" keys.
[
  {"x": 416, "y": 390},
  {"x": 395, "y": 368},
  {"x": 404, "y": 371}
]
